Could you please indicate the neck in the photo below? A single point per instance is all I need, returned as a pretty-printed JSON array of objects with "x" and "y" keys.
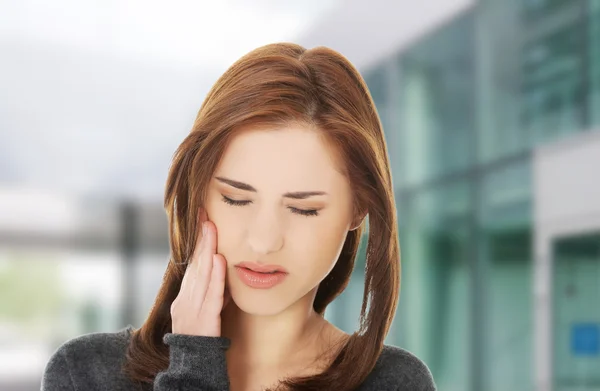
[{"x": 272, "y": 341}]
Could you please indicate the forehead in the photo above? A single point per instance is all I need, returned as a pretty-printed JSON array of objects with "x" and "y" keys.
[{"x": 290, "y": 156}]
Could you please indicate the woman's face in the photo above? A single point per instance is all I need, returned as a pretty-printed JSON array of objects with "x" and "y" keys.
[{"x": 258, "y": 222}]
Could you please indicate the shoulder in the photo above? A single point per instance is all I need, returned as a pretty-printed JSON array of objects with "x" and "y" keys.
[
  {"x": 86, "y": 358},
  {"x": 398, "y": 369},
  {"x": 95, "y": 346}
]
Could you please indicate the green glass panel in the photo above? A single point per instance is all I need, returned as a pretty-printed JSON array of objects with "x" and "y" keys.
[
  {"x": 594, "y": 56},
  {"x": 509, "y": 338},
  {"x": 576, "y": 320},
  {"x": 434, "y": 303},
  {"x": 437, "y": 103}
]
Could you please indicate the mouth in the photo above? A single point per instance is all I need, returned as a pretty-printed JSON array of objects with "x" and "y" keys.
[
  {"x": 260, "y": 276},
  {"x": 263, "y": 269},
  {"x": 273, "y": 272}
]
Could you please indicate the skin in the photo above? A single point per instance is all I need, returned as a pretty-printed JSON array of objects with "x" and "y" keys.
[{"x": 274, "y": 332}]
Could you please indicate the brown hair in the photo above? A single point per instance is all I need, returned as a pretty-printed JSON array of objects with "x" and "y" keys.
[{"x": 277, "y": 85}]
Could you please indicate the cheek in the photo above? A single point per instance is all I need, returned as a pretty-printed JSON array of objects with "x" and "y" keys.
[
  {"x": 228, "y": 225},
  {"x": 319, "y": 248}
]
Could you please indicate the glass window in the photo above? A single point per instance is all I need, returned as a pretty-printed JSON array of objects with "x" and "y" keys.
[
  {"x": 594, "y": 55},
  {"x": 506, "y": 196},
  {"x": 498, "y": 88},
  {"x": 533, "y": 9},
  {"x": 509, "y": 326},
  {"x": 553, "y": 83},
  {"x": 576, "y": 320},
  {"x": 434, "y": 314},
  {"x": 505, "y": 248},
  {"x": 378, "y": 81},
  {"x": 437, "y": 103},
  {"x": 533, "y": 88}
]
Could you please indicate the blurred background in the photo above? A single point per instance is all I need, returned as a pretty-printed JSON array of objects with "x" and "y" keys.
[{"x": 491, "y": 111}]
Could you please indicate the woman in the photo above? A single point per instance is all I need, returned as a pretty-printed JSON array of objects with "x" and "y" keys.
[{"x": 267, "y": 198}]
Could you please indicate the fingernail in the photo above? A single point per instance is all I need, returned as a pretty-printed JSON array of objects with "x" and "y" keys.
[{"x": 203, "y": 228}]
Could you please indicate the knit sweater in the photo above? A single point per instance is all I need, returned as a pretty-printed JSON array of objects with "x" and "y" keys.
[{"x": 93, "y": 362}]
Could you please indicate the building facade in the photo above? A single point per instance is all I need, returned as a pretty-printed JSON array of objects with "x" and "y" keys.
[{"x": 486, "y": 113}]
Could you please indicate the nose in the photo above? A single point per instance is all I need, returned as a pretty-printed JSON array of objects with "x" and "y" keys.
[{"x": 265, "y": 235}]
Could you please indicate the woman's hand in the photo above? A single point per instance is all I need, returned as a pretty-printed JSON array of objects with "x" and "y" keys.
[{"x": 197, "y": 308}]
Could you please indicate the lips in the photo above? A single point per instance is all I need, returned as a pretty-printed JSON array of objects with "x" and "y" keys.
[
  {"x": 267, "y": 269},
  {"x": 272, "y": 276}
]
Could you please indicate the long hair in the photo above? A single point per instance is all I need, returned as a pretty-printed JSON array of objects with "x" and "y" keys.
[{"x": 272, "y": 86}]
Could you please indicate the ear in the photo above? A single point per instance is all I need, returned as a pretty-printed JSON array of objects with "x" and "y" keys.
[{"x": 358, "y": 220}]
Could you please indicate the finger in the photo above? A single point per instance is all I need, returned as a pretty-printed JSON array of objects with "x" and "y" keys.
[
  {"x": 203, "y": 267},
  {"x": 202, "y": 218},
  {"x": 199, "y": 281},
  {"x": 216, "y": 289},
  {"x": 211, "y": 236},
  {"x": 194, "y": 259},
  {"x": 208, "y": 249}
]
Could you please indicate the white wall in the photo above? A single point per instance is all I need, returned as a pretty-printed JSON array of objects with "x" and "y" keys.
[{"x": 567, "y": 183}]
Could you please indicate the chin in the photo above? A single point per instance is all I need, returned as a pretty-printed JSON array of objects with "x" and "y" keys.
[{"x": 263, "y": 302}]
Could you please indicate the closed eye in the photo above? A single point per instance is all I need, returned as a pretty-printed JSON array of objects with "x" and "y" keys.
[
  {"x": 235, "y": 202},
  {"x": 302, "y": 212}
]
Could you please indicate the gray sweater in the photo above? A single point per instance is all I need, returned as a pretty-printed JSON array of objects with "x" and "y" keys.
[{"x": 93, "y": 362}]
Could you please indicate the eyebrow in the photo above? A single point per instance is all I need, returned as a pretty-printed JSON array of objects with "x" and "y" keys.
[{"x": 298, "y": 195}]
